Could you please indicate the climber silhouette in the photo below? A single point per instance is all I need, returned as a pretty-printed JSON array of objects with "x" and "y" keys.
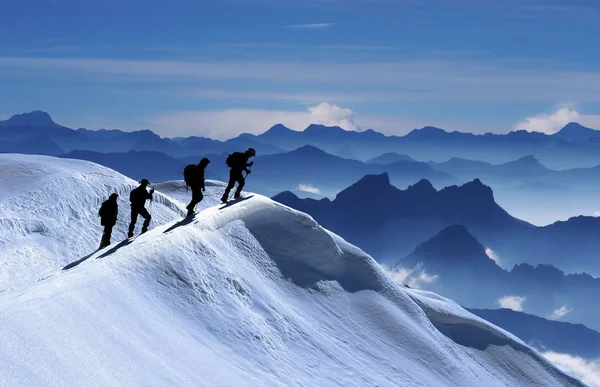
[
  {"x": 138, "y": 197},
  {"x": 238, "y": 162},
  {"x": 194, "y": 178},
  {"x": 108, "y": 218}
]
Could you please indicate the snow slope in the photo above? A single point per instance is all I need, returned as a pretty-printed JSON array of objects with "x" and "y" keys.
[
  {"x": 48, "y": 213},
  {"x": 249, "y": 294}
]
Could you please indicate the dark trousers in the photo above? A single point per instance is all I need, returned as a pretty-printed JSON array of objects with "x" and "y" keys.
[
  {"x": 235, "y": 176},
  {"x": 134, "y": 214},
  {"x": 106, "y": 235},
  {"x": 196, "y": 197}
]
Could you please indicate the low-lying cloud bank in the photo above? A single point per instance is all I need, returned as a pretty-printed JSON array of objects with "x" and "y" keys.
[
  {"x": 551, "y": 123},
  {"x": 415, "y": 278},
  {"x": 225, "y": 124},
  {"x": 587, "y": 370}
]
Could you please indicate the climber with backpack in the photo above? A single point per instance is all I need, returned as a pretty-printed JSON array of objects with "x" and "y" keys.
[
  {"x": 108, "y": 218},
  {"x": 193, "y": 175},
  {"x": 238, "y": 162},
  {"x": 138, "y": 197}
]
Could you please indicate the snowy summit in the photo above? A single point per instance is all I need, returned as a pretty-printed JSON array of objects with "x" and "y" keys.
[{"x": 245, "y": 293}]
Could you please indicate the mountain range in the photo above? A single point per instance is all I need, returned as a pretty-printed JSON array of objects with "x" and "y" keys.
[
  {"x": 545, "y": 335},
  {"x": 37, "y": 133},
  {"x": 573, "y": 146},
  {"x": 391, "y": 223},
  {"x": 464, "y": 272}
]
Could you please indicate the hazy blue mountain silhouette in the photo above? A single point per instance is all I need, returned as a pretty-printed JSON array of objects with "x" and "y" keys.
[
  {"x": 574, "y": 146},
  {"x": 438, "y": 145},
  {"x": 389, "y": 223},
  {"x": 526, "y": 169},
  {"x": 35, "y": 125},
  {"x": 544, "y": 334},
  {"x": 466, "y": 274},
  {"x": 35, "y": 119},
  {"x": 390, "y": 158},
  {"x": 309, "y": 165},
  {"x": 520, "y": 183},
  {"x": 36, "y": 145},
  {"x": 576, "y": 132},
  {"x": 451, "y": 247}
]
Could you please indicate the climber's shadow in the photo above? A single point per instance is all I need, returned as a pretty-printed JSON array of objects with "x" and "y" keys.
[
  {"x": 73, "y": 264},
  {"x": 183, "y": 222},
  {"x": 117, "y": 247},
  {"x": 232, "y": 202}
]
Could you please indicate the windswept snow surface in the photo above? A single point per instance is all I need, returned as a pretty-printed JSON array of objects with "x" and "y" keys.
[
  {"x": 249, "y": 294},
  {"x": 49, "y": 213}
]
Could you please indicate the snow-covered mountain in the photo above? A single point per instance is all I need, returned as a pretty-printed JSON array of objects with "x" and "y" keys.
[
  {"x": 248, "y": 293},
  {"x": 252, "y": 293},
  {"x": 48, "y": 213}
]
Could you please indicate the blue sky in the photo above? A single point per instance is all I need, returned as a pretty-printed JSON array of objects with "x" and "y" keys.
[{"x": 218, "y": 68}]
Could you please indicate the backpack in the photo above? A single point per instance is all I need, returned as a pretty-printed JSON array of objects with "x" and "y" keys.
[
  {"x": 233, "y": 160},
  {"x": 102, "y": 211},
  {"x": 134, "y": 196},
  {"x": 189, "y": 173}
]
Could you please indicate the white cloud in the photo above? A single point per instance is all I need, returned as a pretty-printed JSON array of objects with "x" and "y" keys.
[
  {"x": 552, "y": 123},
  {"x": 415, "y": 278},
  {"x": 313, "y": 26},
  {"x": 229, "y": 123},
  {"x": 588, "y": 370},
  {"x": 332, "y": 115},
  {"x": 560, "y": 312},
  {"x": 493, "y": 256},
  {"x": 309, "y": 188},
  {"x": 512, "y": 302}
]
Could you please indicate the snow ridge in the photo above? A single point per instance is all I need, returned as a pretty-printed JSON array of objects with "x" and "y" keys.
[
  {"x": 249, "y": 293},
  {"x": 48, "y": 213}
]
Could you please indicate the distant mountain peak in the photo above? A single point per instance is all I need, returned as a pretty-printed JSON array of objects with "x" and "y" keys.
[
  {"x": 452, "y": 244},
  {"x": 576, "y": 131},
  {"x": 316, "y": 128},
  {"x": 279, "y": 128},
  {"x": 477, "y": 185},
  {"x": 528, "y": 161},
  {"x": 286, "y": 197},
  {"x": 36, "y": 119},
  {"x": 376, "y": 180},
  {"x": 422, "y": 186},
  {"x": 575, "y": 126},
  {"x": 310, "y": 150},
  {"x": 365, "y": 187},
  {"x": 390, "y": 158},
  {"x": 426, "y": 132}
]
